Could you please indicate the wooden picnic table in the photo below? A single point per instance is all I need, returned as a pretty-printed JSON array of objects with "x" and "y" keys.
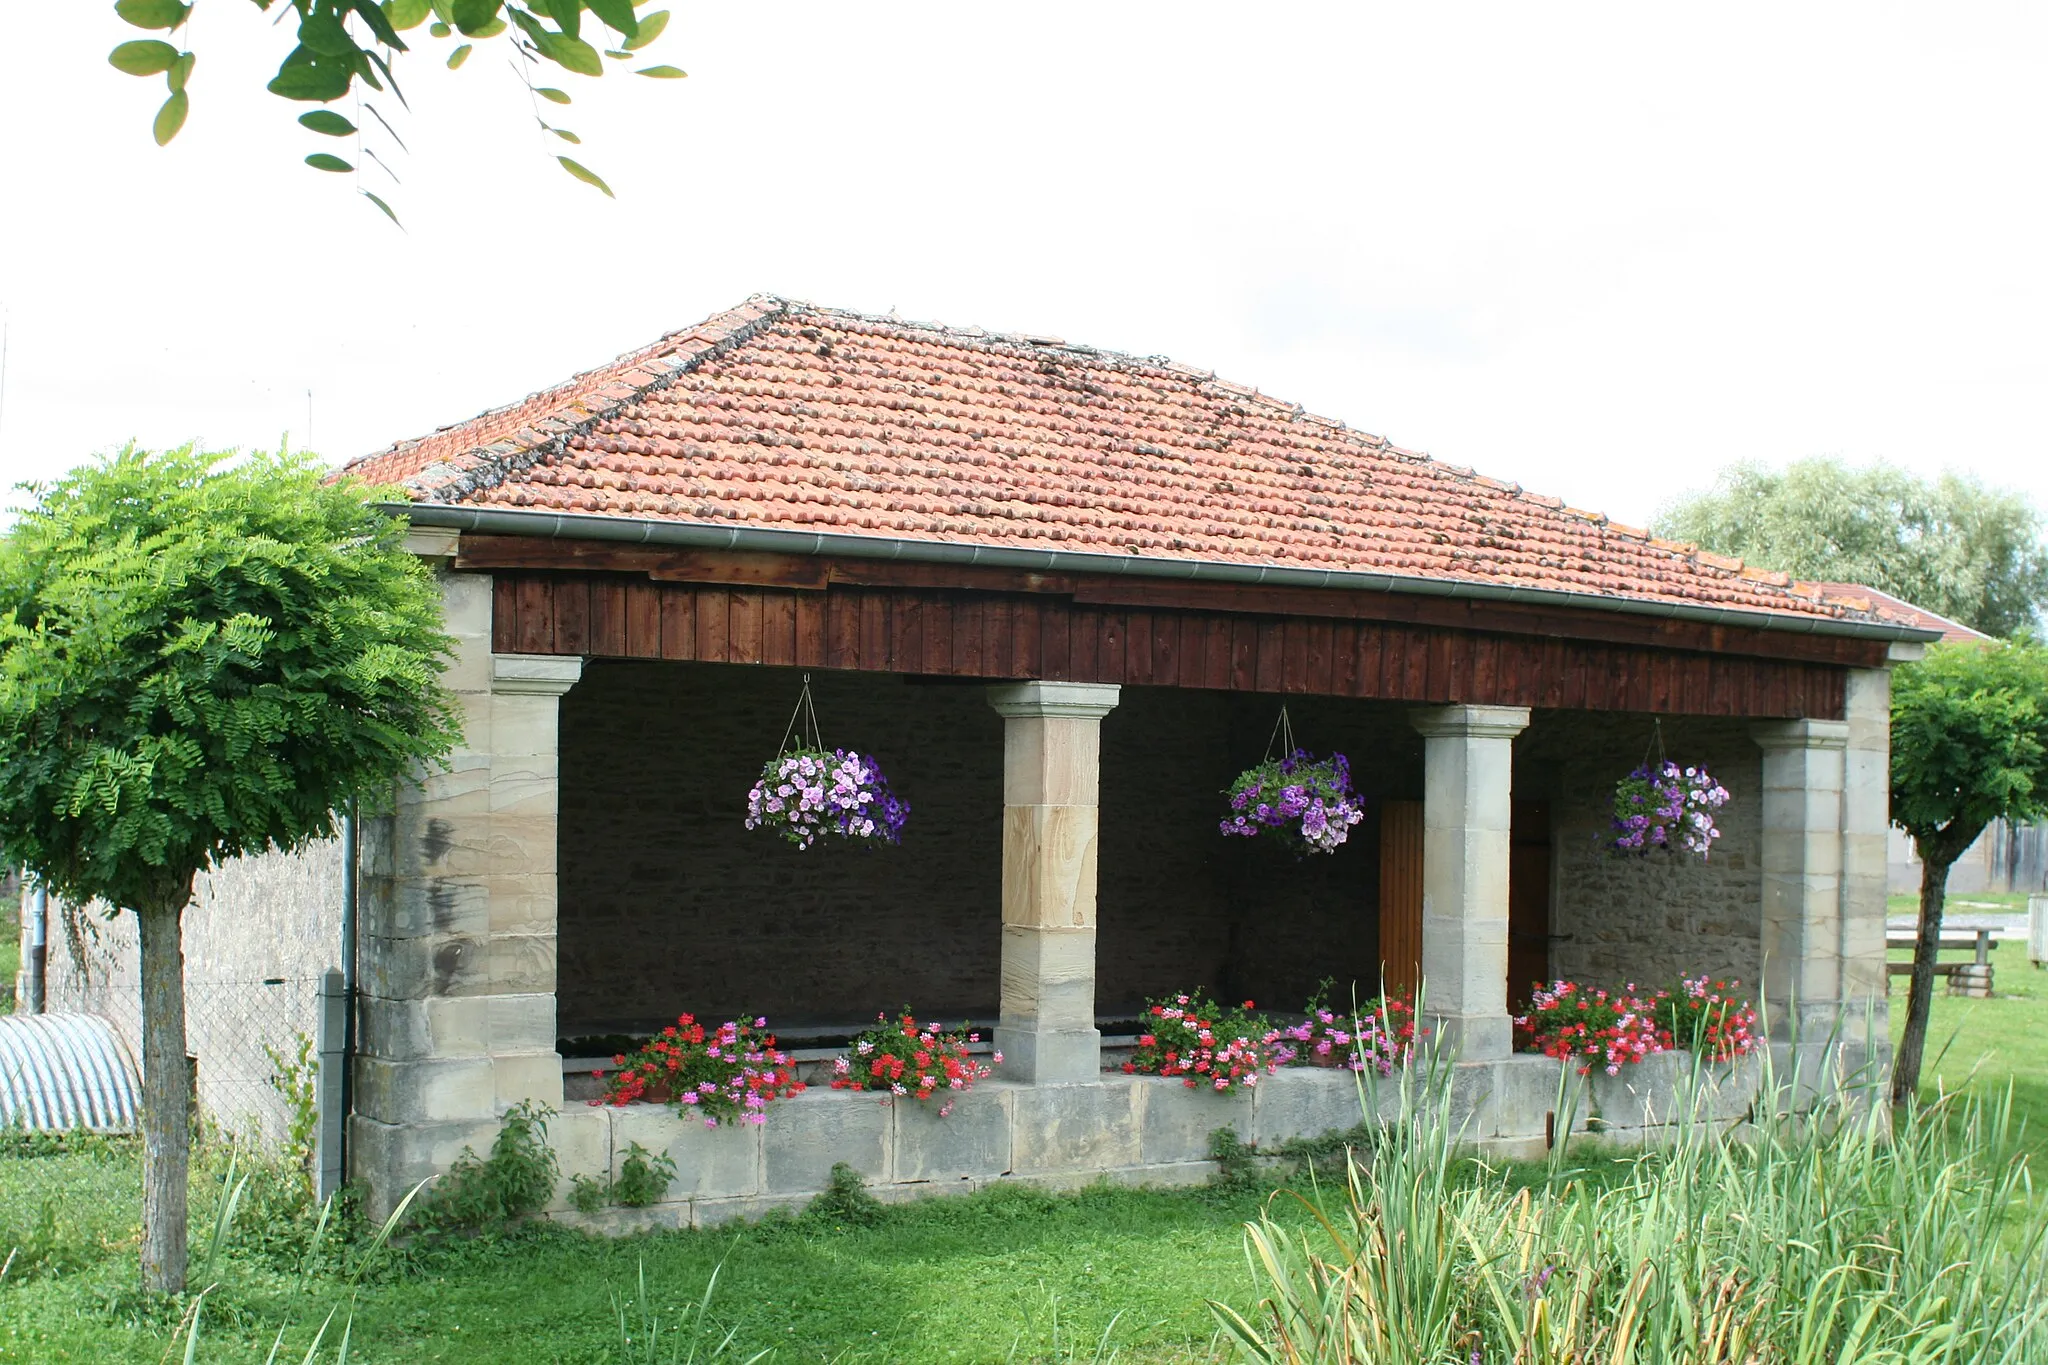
[
  {"x": 1952, "y": 940},
  {"x": 1977, "y": 942}
]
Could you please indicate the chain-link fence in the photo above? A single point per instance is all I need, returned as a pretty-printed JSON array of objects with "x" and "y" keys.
[{"x": 252, "y": 1043}]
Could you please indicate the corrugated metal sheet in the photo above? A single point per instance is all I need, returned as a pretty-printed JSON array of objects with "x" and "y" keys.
[{"x": 64, "y": 1071}]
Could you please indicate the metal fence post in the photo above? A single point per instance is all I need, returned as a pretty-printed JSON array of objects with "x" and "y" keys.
[{"x": 332, "y": 1040}]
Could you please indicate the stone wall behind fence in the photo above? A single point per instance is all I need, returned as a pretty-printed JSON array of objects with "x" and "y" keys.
[
  {"x": 668, "y": 903},
  {"x": 257, "y": 937},
  {"x": 1646, "y": 920}
]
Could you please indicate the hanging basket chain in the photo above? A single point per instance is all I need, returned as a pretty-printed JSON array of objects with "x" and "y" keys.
[
  {"x": 1283, "y": 731},
  {"x": 806, "y": 714},
  {"x": 1656, "y": 746}
]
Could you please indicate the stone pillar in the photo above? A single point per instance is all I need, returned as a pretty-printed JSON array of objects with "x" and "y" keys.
[
  {"x": 1468, "y": 786},
  {"x": 1866, "y": 821},
  {"x": 1802, "y": 874},
  {"x": 1051, "y": 790},
  {"x": 456, "y": 945}
]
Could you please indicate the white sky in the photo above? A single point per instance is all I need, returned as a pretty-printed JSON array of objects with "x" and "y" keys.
[{"x": 1601, "y": 250}]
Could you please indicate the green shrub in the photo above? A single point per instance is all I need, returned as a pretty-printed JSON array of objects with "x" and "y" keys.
[
  {"x": 846, "y": 1200},
  {"x": 517, "y": 1179},
  {"x": 294, "y": 1075},
  {"x": 1237, "y": 1161},
  {"x": 643, "y": 1177},
  {"x": 588, "y": 1194}
]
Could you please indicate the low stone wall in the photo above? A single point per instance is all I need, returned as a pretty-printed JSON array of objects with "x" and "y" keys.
[
  {"x": 1132, "y": 1130},
  {"x": 1136, "y": 1130}
]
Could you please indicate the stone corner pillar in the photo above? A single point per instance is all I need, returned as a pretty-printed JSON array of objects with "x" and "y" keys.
[
  {"x": 1051, "y": 793},
  {"x": 1866, "y": 828},
  {"x": 1803, "y": 812},
  {"x": 456, "y": 947},
  {"x": 1467, "y": 803}
]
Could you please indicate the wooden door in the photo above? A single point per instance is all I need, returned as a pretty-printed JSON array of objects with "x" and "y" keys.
[
  {"x": 1401, "y": 894},
  {"x": 1528, "y": 900}
]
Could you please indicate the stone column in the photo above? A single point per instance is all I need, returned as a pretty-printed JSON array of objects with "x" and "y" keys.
[
  {"x": 1051, "y": 790},
  {"x": 1468, "y": 787},
  {"x": 1802, "y": 873},
  {"x": 456, "y": 945},
  {"x": 1866, "y": 821}
]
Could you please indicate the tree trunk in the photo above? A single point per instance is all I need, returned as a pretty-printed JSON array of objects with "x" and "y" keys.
[
  {"x": 1926, "y": 947},
  {"x": 166, "y": 1093}
]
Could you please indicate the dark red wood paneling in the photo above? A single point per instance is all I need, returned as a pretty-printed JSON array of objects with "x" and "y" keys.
[
  {"x": 643, "y": 620},
  {"x": 536, "y": 599},
  {"x": 1045, "y": 635},
  {"x": 608, "y": 617},
  {"x": 678, "y": 623},
  {"x": 1056, "y": 644},
  {"x": 778, "y": 628},
  {"x": 572, "y": 615},
  {"x": 504, "y": 615},
  {"x": 744, "y": 615}
]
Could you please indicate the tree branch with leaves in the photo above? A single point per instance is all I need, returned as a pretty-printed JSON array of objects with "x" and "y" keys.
[{"x": 338, "y": 43}]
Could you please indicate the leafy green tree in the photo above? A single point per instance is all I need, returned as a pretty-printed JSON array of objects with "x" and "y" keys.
[
  {"x": 1969, "y": 746},
  {"x": 1971, "y": 553},
  {"x": 200, "y": 659},
  {"x": 339, "y": 42}
]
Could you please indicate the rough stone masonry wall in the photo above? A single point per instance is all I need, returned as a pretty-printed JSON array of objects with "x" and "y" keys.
[
  {"x": 258, "y": 935},
  {"x": 668, "y": 903},
  {"x": 1646, "y": 920}
]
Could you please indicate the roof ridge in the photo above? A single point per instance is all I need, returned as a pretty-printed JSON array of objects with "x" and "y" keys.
[{"x": 491, "y": 464}]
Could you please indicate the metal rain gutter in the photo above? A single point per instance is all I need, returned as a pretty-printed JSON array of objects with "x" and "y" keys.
[{"x": 698, "y": 536}]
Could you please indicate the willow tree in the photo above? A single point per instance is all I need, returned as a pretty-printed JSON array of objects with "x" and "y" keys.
[
  {"x": 200, "y": 658},
  {"x": 1969, "y": 746}
]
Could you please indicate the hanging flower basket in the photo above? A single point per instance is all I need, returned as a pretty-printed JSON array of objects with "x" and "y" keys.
[
  {"x": 1303, "y": 801},
  {"x": 1661, "y": 805},
  {"x": 807, "y": 791}
]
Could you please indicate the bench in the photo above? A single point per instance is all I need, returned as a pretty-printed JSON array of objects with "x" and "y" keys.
[{"x": 1964, "y": 978}]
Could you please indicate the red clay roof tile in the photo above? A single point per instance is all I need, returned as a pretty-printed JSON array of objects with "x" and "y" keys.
[{"x": 782, "y": 414}]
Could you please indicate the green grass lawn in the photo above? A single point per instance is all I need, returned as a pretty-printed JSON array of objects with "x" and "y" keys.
[
  {"x": 1007, "y": 1275},
  {"x": 1962, "y": 902},
  {"x": 10, "y": 953},
  {"x": 1990, "y": 1042}
]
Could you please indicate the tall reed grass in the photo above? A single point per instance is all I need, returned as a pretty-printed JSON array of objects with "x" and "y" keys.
[{"x": 1844, "y": 1233}]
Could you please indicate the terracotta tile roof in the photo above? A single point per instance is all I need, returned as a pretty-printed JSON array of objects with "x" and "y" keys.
[
  {"x": 1897, "y": 609},
  {"x": 785, "y": 415}
]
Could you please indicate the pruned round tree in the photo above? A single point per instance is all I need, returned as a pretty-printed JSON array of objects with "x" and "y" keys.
[
  {"x": 201, "y": 656},
  {"x": 1969, "y": 746}
]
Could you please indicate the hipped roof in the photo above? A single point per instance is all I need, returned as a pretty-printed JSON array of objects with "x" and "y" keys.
[{"x": 783, "y": 415}]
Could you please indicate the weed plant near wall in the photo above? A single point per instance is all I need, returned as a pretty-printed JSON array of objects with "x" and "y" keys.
[{"x": 1832, "y": 1237}]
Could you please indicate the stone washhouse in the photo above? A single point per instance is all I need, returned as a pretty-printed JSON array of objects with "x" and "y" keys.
[{"x": 1062, "y": 594}]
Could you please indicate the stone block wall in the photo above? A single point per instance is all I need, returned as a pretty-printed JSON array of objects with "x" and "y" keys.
[
  {"x": 1128, "y": 1129},
  {"x": 1646, "y": 920}
]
